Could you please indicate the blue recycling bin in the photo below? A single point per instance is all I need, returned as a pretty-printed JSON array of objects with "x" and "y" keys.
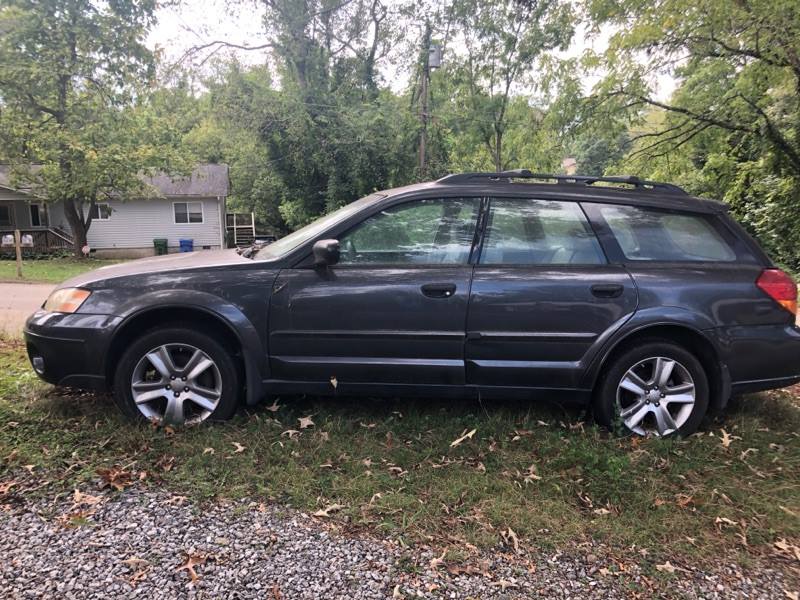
[{"x": 187, "y": 245}]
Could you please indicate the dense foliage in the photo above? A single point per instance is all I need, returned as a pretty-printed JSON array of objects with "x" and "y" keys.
[{"x": 327, "y": 119}]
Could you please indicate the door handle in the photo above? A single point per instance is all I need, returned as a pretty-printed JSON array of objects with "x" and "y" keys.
[
  {"x": 439, "y": 290},
  {"x": 611, "y": 290}
]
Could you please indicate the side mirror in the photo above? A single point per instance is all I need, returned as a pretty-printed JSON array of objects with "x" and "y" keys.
[{"x": 326, "y": 253}]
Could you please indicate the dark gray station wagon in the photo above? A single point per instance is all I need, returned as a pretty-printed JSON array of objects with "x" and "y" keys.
[{"x": 650, "y": 305}]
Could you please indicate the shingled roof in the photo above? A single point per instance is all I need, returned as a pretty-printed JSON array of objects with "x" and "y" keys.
[{"x": 205, "y": 180}]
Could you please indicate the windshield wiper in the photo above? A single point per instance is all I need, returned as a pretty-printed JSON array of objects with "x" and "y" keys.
[{"x": 249, "y": 251}]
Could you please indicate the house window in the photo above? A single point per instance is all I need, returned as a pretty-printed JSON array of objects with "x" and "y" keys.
[
  {"x": 100, "y": 212},
  {"x": 188, "y": 212},
  {"x": 6, "y": 216}
]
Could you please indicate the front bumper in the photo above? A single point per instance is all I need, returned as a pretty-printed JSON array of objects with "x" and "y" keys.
[{"x": 70, "y": 349}]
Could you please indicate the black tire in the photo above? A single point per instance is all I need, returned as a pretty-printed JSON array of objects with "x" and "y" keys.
[
  {"x": 177, "y": 335},
  {"x": 605, "y": 404}
]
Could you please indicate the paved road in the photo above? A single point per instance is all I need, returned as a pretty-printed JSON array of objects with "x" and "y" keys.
[{"x": 17, "y": 302}]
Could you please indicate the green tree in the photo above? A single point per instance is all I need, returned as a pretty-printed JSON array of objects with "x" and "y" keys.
[
  {"x": 74, "y": 116},
  {"x": 504, "y": 42},
  {"x": 732, "y": 127}
]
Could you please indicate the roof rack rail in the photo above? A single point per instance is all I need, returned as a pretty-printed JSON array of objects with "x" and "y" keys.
[{"x": 586, "y": 180}]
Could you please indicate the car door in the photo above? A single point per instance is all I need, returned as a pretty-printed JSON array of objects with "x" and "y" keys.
[
  {"x": 543, "y": 294},
  {"x": 393, "y": 310}
]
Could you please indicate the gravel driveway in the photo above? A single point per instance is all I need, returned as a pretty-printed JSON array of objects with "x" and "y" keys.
[
  {"x": 17, "y": 302},
  {"x": 133, "y": 545}
]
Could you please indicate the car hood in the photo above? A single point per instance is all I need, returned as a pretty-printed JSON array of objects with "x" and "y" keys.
[{"x": 159, "y": 264}]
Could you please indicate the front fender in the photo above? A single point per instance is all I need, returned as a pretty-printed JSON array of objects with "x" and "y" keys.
[{"x": 253, "y": 351}]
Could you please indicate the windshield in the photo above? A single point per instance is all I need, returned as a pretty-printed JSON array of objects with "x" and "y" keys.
[{"x": 294, "y": 240}]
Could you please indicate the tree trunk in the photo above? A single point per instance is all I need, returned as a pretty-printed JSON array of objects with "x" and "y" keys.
[
  {"x": 498, "y": 150},
  {"x": 73, "y": 211}
]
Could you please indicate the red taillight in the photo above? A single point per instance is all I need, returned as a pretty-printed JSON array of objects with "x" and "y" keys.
[{"x": 780, "y": 287}]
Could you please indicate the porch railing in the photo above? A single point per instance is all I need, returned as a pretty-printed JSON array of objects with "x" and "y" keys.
[{"x": 44, "y": 240}]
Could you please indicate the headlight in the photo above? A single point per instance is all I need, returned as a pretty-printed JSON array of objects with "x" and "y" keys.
[{"x": 66, "y": 300}]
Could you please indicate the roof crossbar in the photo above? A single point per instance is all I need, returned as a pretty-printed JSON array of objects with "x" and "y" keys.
[{"x": 585, "y": 180}]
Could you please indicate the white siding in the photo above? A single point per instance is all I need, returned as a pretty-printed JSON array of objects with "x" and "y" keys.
[{"x": 134, "y": 224}]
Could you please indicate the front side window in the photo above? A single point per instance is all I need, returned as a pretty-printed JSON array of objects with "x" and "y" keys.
[
  {"x": 646, "y": 234},
  {"x": 100, "y": 211},
  {"x": 539, "y": 232},
  {"x": 188, "y": 212},
  {"x": 422, "y": 232}
]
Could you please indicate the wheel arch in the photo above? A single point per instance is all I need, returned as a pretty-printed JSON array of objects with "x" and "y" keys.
[
  {"x": 692, "y": 339},
  {"x": 241, "y": 338}
]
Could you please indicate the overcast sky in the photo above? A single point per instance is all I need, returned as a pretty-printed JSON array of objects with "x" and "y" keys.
[{"x": 196, "y": 22}]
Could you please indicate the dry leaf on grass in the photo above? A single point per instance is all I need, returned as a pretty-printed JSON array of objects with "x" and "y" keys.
[
  {"x": 668, "y": 567},
  {"x": 464, "y": 436},
  {"x": 728, "y": 438},
  {"x": 396, "y": 592},
  {"x": 290, "y": 433},
  {"x": 274, "y": 407},
  {"x": 115, "y": 477},
  {"x": 326, "y": 512},
  {"x": 192, "y": 561},
  {"x": 306, "y": 422}
]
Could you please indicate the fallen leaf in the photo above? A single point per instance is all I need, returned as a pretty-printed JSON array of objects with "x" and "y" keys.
[
  {"x": 601, "y": 511},
  {"x": 290, "y": 433},
  {"x": 396, "y": 592},
  {"x": 334, "y": 382},
  {"x": 238, "y": 446},
  {"x": 792, "y": 595},
  {"x": 437, "y": 562},
  {"x": 504, "y": 584},
  {"x": 511, "y": 539},
  {"x": 727, "y": 438},
  {"x": 326, "y": 512},
  {"x": 208, "y": 451},
  {"x": 115, "y": 477},
  {"x": 274, "y": 407},
  {"x": 464, "y": 436},
  {"x": 6, "y": 486},
  {"x": 192, "y": 561},
  {"x": 79, "y": 498},
  {"x": 667, "y": 567},
  {"x": 306, "y": 422}
]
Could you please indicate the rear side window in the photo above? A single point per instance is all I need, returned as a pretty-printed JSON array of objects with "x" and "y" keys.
[
  {"x": 539, "y": 232},
  {"x": 654, "y": 235}
]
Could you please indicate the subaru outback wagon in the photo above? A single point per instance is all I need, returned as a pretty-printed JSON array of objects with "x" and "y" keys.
[{"x": 649, "y": 305}]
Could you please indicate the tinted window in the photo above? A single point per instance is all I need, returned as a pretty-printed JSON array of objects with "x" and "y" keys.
[
  {"x": 435, "y": 231},
  {"x": 539, "y": 232},
  {"x": 649, "y": 234}
]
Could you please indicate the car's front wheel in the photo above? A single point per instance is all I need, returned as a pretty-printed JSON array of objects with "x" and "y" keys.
[
  {"x": 654, "y": 388},
  {"x": 176, "y": 376}
]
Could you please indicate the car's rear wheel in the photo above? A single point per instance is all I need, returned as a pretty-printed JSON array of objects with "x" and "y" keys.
[
  {"x": 176, "y": 376},
  {"x": 654, "y": 388}
]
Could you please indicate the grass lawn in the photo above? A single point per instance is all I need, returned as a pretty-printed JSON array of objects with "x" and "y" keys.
[
  {"x": 53, "y": 270},
  {"x": 394, "y": 468}
]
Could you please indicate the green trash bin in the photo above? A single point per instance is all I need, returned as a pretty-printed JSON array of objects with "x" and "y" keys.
[{"x": 160, "y": 244}]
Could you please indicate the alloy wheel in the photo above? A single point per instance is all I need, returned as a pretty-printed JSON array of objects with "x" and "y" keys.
[
  {"x": 656, "y": 396},
  {"x": 176, "y": 384}
]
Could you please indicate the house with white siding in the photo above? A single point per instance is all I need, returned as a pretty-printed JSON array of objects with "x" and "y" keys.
[{"x": 182, "y": 208}]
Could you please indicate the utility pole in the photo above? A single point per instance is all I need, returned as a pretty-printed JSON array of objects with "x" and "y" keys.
[{"x": 423, "y": 104}]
